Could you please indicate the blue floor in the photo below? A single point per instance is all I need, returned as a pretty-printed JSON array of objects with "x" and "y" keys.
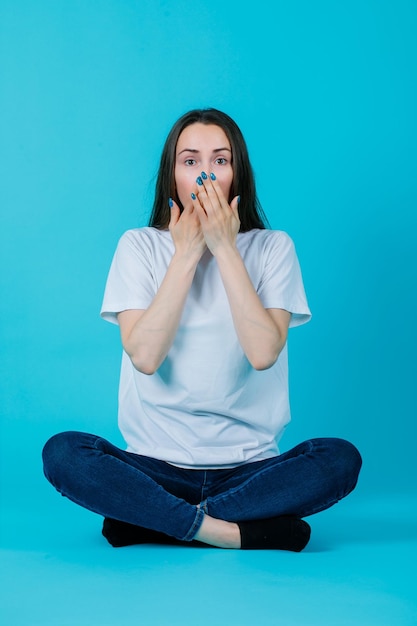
[{"x": 359, "y": 569}]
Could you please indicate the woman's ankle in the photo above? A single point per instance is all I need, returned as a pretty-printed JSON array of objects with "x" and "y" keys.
[{"x": 219, "y": 533}]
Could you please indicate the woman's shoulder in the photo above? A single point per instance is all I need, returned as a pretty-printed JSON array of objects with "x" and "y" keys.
[
  {"x": 145, "y": 232},
  {"x": 143, "y": 236},
  {"x": 266, "y": 238}
]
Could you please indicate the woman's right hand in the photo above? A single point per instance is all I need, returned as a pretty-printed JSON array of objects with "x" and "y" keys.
[
  {"x": 148, "y": 334},
  {"x": 186, "y": 232}
]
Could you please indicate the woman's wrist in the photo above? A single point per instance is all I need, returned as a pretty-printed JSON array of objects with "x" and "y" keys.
[
  {"x": 226, "y": 252},
  {"x": 185, "y": 260}
]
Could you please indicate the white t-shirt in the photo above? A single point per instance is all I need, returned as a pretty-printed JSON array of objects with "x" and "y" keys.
[{"x": 205, "y": 407}]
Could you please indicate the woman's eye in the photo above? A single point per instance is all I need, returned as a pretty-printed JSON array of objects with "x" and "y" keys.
[
  {"x": 189, "y": 161},
  {"x": 221, "y": 161}
]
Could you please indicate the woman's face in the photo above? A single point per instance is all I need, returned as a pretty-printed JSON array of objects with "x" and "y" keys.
[{"x": 202, "y": 148}]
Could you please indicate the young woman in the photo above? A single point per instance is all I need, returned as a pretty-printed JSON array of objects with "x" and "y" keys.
[{"x": 204, "y": 298}]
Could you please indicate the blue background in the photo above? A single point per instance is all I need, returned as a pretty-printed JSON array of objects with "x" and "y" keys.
[{"x": 326, "y": 96}]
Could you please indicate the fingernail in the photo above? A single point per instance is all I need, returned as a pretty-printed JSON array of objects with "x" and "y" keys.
[
  {"x": 203, "y": 175},
  {"x": 199, "y": 181},
  {"x": 212, "y": 176},
  {"x": 193, "y": 196},
  {"x": 171, "y": 204},
  {"x": 238, "y": 199}
]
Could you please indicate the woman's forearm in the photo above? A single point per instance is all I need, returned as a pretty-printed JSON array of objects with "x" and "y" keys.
[
  {"x": 260, "y": 336},
  {"x": 148, "y": 335}
]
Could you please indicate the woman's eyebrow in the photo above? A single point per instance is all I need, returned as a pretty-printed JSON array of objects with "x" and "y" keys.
[
  {"x": 188, "y": 150},
  {"x": 196, "y": 151},
  {"x": 222, "y": 149}
]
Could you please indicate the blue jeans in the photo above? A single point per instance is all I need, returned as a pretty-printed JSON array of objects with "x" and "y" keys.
[{"x": 154, "y": 494}]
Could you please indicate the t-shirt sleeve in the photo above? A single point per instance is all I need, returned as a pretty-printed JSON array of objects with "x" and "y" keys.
[
  {"x": 281, "y": 285},
  {"x": 130, "y": 283}
]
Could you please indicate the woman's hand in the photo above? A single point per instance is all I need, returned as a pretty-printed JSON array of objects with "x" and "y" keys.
[
  {"x": 262, "y": 333},
  {"x": 147, "y": 335},
  {"x": 219, "y": 221},
  {"x": 186, "y": 231}
]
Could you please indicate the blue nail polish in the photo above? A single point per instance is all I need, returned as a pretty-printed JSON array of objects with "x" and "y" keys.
[
  {"x": 238, "y": 199},
  {"x": 193, "y": 196},
  {"x": 203, "y": 175},
  {"x": 212, "y": 176},
  {"x": 199, "y": 181},
  {"x": 171, "y": 204}
]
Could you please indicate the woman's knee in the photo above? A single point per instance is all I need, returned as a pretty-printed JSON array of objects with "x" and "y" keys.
[
  {"x": 58, "y": 454},
  {"x": 346, "y": 462}
]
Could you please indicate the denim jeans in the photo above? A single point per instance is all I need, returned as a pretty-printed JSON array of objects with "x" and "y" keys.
[{"x": 154, "y": 494}]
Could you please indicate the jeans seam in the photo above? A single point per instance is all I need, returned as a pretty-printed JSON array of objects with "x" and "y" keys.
[{"x": 203, "y": 485}]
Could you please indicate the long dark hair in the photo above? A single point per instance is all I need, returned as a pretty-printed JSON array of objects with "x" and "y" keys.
[{"x": 250, "y": 211}]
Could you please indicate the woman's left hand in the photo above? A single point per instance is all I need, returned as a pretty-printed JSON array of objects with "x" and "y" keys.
[{"x": 219, "y": 221}]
